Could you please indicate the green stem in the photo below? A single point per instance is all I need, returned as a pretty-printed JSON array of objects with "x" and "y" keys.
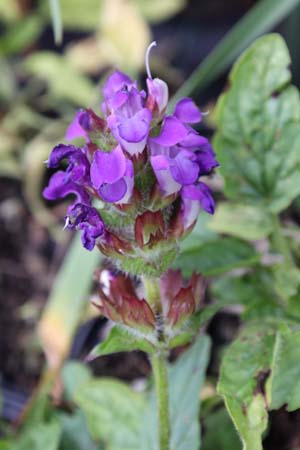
[
  {"x": 152, "y": 293},
  {"x": 279, "y": 241},
  {"x": 159, "y": 367}
]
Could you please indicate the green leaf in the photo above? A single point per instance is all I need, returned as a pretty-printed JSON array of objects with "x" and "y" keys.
[
  {"x": 157, "y": 11},
  {"x": 75, "y": 435},
  {"x": 10, "y": 11},
  {"x": 67, "y": 301},
  {"x": 21, "y": 35},
  {"x": 258, "y": 138},
  {"x": 6, "y": 444},
  {"x": 182, "y": 338},
  {"x": 121, "y": 340},
  {"x": 113, "y": 412},
  {"x": 283, "y": 386},
  {"x": 41, "y": 436},
  {"x": 73, "y": 375},
  {"x": 264, "y": 15},
  {"x": 243, "y": 221},
  {"x": 226, "y": 439},
  {"x": 56, "y": 20},
  {"x": 78, "y": 15},
  {"x": 255, "y": 291},
  {"x": 185, "y": 382},
  {"x": 260, "y": 372},
  {"x": 245, "y": 368},
  {"x": 293, "y": 307},
  {"x": 250, "y": 422},
  {"x": 286, "y": 280},
  {"x": 202, "y": 232},
  {"x": 186, "y": 379},
  {"x": 245, "y": 361},
  {"x": 63, "y": 79},
  {"x": 217, "y": 256}
]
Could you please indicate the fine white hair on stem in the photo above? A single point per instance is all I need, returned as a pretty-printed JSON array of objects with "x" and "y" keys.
[{"x": 153, "y": 44}]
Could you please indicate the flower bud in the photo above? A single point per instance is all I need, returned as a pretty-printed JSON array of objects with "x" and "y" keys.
[
  {"x": 158, "y": 95},
  {"x": 180, "y": 300},
  {"x": 120, "y": 303}
]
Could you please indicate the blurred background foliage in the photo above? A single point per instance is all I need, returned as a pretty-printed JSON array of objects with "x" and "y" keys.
[{"x": 41, "y": 86}]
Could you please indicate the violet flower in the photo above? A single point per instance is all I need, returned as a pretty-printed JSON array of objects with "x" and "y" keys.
[
  {"x": 179, "y": 156},
  {"x": 134, "y": 159},
  {"x": 128, "y": 118},
  {"x": 88, "y": 220},
  {"x": 112, "y": 175}
]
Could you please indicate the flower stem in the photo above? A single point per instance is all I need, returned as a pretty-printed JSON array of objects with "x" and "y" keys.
[
  {"x": 152, "y": 293},
  {"x": 159, "y": 367}
]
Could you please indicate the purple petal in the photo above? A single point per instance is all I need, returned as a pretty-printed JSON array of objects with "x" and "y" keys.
[
  {"x": 116, "y": 81},
  {"x": 60, "y": 152},
  {"x": 89, "y": 221},
  {"x": 172, "y": 132},
  {"x": 75, "y": 129},
  {"x": 133, "y": 104},
  {"x": 78, "y": 164},
  {"x": 136, "y": 128},
  {"x": 129, "y": 180},
  {"x": 113, "y": 192},
  {"x": 200, "y": 193},
  {"x": 59, "y": 187},
  {"x": 183, "y": 169},
  {"x": 193, "y": 140},
  {"x": 206, "y": 159},
  {"x": 187, "y": 112},
  {"x": 117, "y": 100},
  {"x": 107, "y": 167},
  {"x": 161, "y": 168}
]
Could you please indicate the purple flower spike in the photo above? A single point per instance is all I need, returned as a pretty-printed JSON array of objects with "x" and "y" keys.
[
  {"x": 109, "y": 173},
  {"x": 88, "y": 220},
  {"x": 187, "y": 112},
  {"x": 75, "y": 130},
  {"x": 194, "y": 198},
  {"x": 132, "y": 132},
  {"x": 59, "y": 187}
]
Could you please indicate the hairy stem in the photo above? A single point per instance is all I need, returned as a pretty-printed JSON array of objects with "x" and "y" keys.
[
  {"x": 159, "y": 367},
  {"x": 152, "y": 293}
]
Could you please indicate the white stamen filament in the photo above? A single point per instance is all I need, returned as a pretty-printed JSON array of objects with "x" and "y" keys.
[
  {"x": 205, "y": 113},
  {"x": 153, "y": 44},
  {"x": 67, "y": 222},
  {"x": 46, "y": 161}
]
